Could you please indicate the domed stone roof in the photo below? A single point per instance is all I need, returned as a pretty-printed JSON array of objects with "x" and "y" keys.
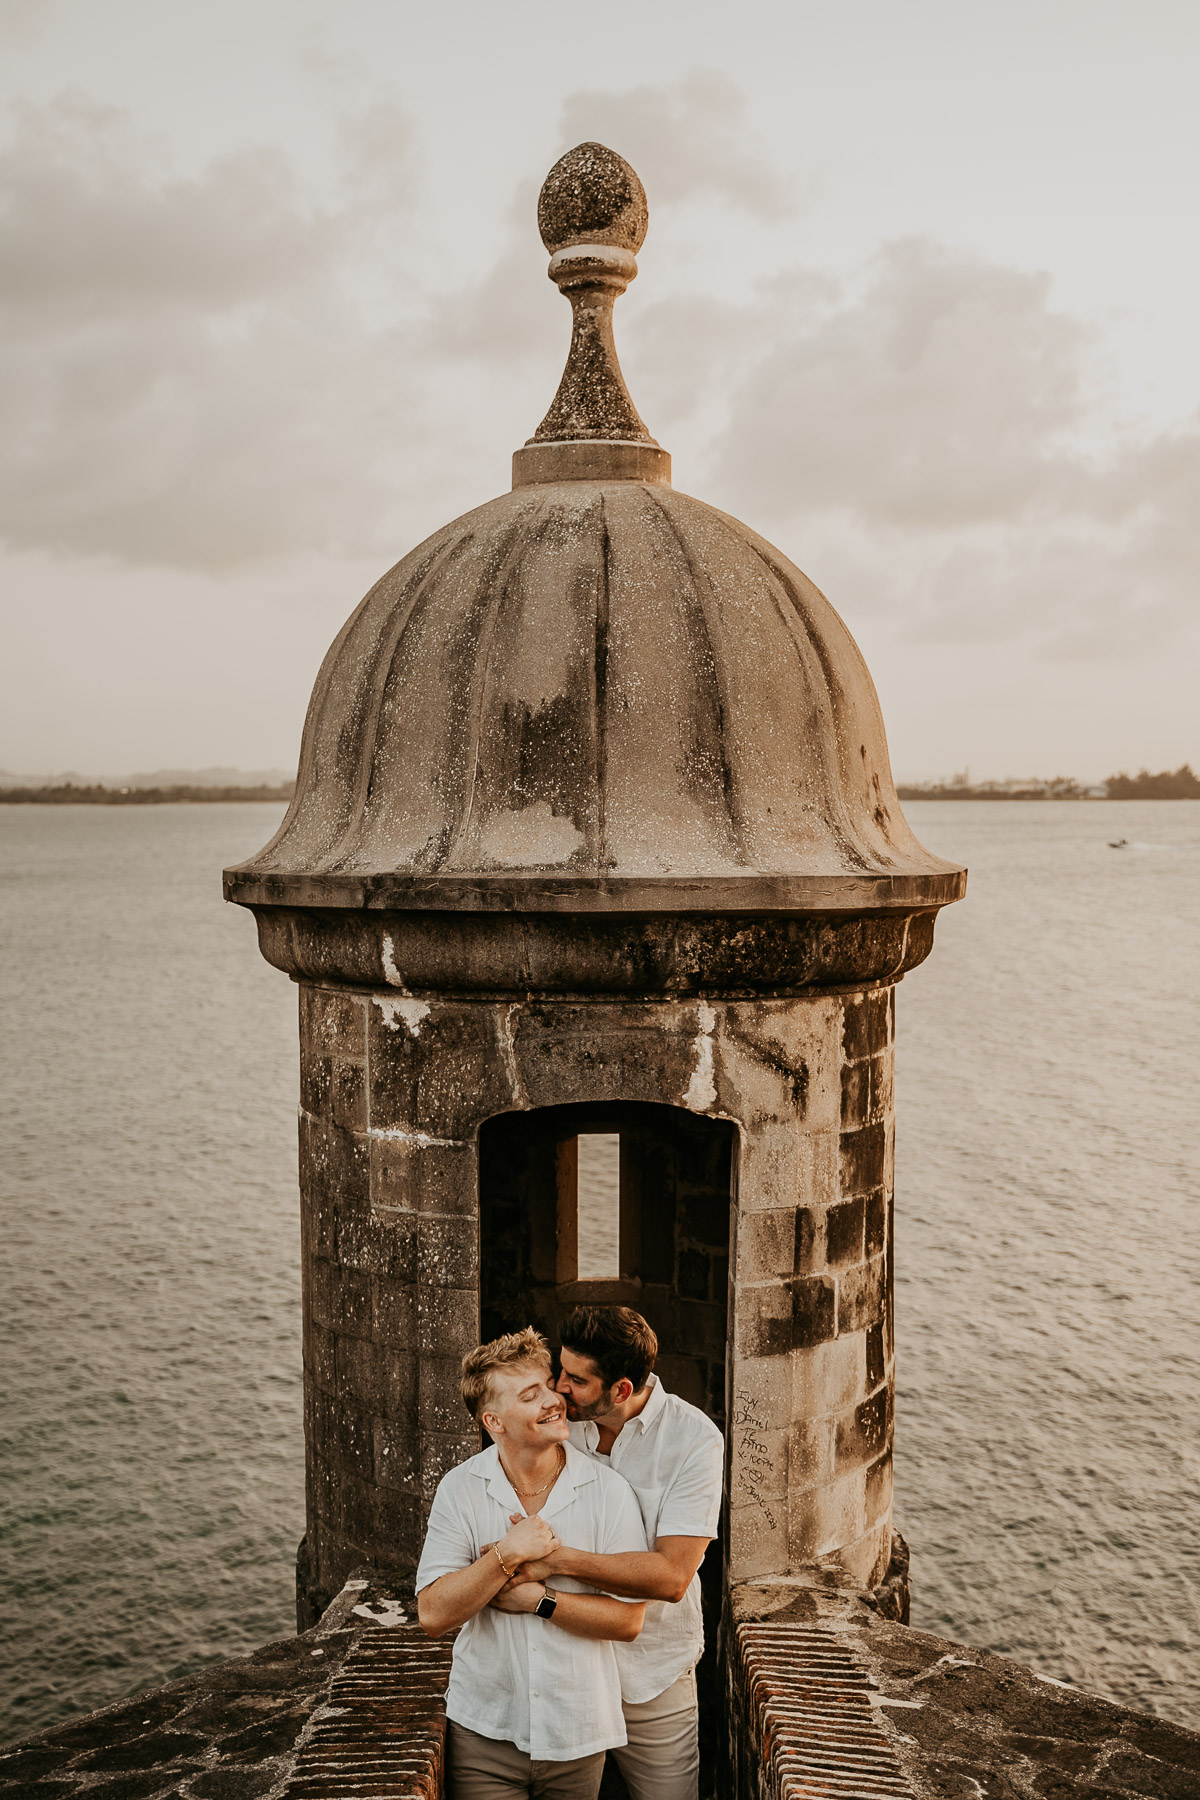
[{"x": 595, "y": 693}]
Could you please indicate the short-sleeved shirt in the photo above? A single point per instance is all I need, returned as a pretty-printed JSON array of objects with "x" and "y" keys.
[
  {"x": 513, "y": 1676},
  {"x": 673, "y": 1457}
]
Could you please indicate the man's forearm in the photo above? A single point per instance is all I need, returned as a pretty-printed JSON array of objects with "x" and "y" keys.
[
  {"x": 638, "y": 1574},
  {"x": 596, "y": 1616},
  {"x": 453, "y": 1599}
]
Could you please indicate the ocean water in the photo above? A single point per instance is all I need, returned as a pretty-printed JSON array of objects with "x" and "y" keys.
[
  {"x": 1048, "y": 1238},
  {"x": 1048, "y": 1246}
]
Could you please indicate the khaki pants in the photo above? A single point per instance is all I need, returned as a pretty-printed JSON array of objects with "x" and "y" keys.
[
  {"x": 483, "y": 1768},
  {"x": 661, "y": 1761}
]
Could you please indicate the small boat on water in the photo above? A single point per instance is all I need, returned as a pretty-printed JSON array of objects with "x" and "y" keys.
[{"x": 1118, "y": 843}]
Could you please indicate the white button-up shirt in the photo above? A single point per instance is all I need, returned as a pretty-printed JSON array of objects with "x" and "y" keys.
[
  {"x": 514, "y": 1676},
  {"x": 673, "y": 1457}
]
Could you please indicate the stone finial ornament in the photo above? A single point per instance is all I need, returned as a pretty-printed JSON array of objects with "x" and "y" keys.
[
  {"x": 592, "y": 215},
  {"x": 592, "y": 196}
]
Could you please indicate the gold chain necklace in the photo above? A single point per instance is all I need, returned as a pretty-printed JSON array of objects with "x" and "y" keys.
[{"x": 532, "y": 1493}]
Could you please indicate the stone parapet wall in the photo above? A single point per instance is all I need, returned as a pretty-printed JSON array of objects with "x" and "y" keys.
[
  {"x": 827, "y": 1700},
  {"x": 802, "y": 1721},
  {"x": 382, "y": 1730},
  {"x": 824, "y": 1700},
  {"x": 354, "y": 1706}
]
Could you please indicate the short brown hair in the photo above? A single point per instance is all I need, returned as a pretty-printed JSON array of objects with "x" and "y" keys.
[
  {"x": 528, "y": 1346},
  {"x": 616, "y": 1339}
]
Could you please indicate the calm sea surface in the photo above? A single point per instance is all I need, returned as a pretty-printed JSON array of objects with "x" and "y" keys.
[{"x": 1048, "y": 1315}]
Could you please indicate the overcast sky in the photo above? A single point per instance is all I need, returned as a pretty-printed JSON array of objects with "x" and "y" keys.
[{"x": 919, "y": 301}]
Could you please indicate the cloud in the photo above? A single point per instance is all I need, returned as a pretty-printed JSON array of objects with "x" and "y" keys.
[
  {"x": 933, "y": 425},
  {"x": 943, "y": 391},
  {"x": 201, "y": 374},
  {"x": 189, "y": 380},
  {"x": 684, "y": 141},
  {"x": 22, "y": 22}
]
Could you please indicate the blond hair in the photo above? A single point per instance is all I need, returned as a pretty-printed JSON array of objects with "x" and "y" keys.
[{"x": 515, "y": 1347}]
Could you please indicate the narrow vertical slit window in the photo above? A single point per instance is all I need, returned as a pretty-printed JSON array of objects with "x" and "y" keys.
[{"x": 599, "y": 1205}]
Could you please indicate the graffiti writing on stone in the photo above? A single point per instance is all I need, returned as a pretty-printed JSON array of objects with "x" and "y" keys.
[{"x": 755, "y": 1466}]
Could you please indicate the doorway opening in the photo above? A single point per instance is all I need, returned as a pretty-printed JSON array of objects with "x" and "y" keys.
[{"x": 619, "y": 1204}]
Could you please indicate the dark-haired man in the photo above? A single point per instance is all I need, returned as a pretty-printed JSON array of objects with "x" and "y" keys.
[{"x": 673, "y": 1457}]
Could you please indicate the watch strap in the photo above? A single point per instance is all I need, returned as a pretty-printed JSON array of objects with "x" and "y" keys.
[{"x": 546, "y": 1605}]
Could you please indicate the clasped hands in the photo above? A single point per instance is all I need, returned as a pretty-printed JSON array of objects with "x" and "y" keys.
[{"x": 527, "y": 1548}]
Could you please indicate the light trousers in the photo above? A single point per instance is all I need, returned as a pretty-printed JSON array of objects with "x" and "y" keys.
[
  {"x": 484, "y": 1768},
  {"x": 661, "y": 1761}
]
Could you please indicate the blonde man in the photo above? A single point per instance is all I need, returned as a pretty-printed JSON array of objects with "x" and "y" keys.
[{"x": 534, "y": 1699}]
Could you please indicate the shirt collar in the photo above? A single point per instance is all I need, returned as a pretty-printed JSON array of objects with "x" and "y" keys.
[
  {"x": 576, "y": 1474},
  {"x": 650, "y": 1412}
]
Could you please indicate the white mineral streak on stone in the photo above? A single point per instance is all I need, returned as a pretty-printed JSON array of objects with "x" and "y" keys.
[
  {"x": 508, "y": 1041},
  {"x": 409, "y": 1010},
  {"x": 702, "y": 1089},
  {"x": 391, "y": 973},
  {"x": 533, "y": 838},
  {"x": 420, "y": 1140},
  {"x": 383, "y": 1612},
  {"x": 611, "y": 255}
]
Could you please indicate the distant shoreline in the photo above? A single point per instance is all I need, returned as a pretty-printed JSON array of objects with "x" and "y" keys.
[
  {"x": 68, "y": 794},
  {"x": 1182, "y": 785},
  {"x": 964, "y": 793}
]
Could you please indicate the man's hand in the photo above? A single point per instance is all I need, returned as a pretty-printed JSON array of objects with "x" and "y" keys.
[
  {"x": 664, "y": 1573},
  {"x": 518, "y": 1596},
  {"x": 527, "y": 1540},
  {"x": 541, "y": 1568}
]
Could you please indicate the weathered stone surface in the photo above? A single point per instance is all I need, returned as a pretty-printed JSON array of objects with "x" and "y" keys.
[
  {"x": 268, "y": 1723},
  {"x": 592, "y": 196},
  {"x": 528, "y": 939},
  {"x": 820, "y": 1681},
  {"x": 592, "y": 215},
  {"x": 667, "y": 716},
  {"x": 952, "y": 1723}
]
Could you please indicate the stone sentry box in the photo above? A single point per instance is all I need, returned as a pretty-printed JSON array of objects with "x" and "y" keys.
[{"x": 594, "y": 829}]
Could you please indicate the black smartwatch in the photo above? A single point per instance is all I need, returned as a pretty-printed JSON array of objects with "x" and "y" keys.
[{"x": 546, "y": 1605}]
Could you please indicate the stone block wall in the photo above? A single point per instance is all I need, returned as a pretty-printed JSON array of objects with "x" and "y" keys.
[
  {"x": 389, "y": 1242},
  {"x": 395, "y": 1091},
  {"x": 812, "y": 1396}
]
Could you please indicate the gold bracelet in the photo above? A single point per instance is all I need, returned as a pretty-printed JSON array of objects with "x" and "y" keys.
[{"x": 501, "y": 1561}]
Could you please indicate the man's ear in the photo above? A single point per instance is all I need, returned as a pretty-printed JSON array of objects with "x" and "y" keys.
[
  {"x": 491, "y": 1424},
  {"x": 622, "y": 1391}
]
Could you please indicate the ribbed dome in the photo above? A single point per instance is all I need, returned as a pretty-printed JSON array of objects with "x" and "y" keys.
[
  {"x": 595, "y": 692},
  {"x": 595, "y": 680}
]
